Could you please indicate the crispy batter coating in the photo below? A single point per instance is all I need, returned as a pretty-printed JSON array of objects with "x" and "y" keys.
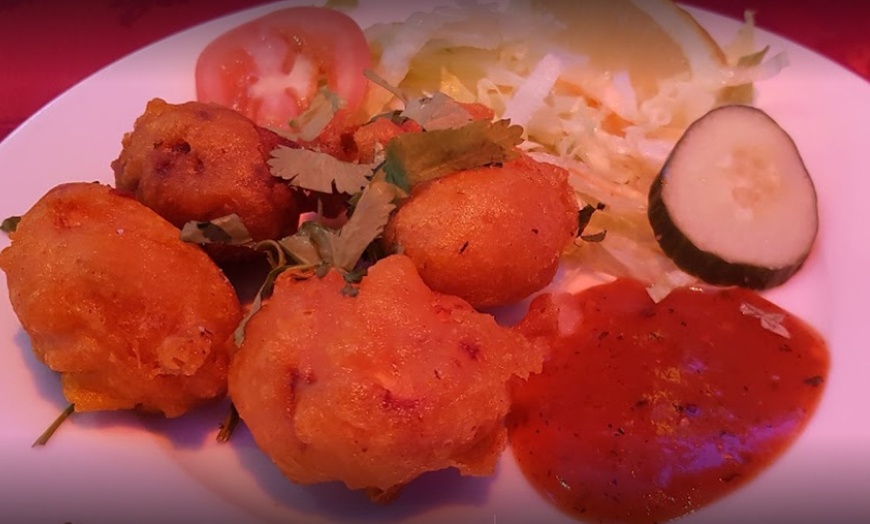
[
  {"x": 129, "y": 315},
  {"x": 378, "y": 388},
  {"x": 491, "y": 235},
  {"x": 197, "y": 161}
]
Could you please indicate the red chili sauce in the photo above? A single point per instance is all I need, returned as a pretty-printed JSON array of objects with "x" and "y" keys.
[{"x": 645, "y": 412}]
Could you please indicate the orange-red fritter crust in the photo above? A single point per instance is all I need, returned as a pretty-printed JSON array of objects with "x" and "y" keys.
[
  {"x": 378, "y": 388},
  {"x": 131, "y": 316},
  {"x": 491, "y": 235},
  {"x": 197, "y": 161}
]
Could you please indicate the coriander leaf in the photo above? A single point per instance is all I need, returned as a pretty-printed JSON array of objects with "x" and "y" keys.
[
  {"x": 301, "y": 248},
  {"x": 312, "y": 244},
  {"x": 10, "y": 224},
  {"x": 370, "y": 216},
  {"x": 227, "y": 229},
  {"x": 318, "y": 171},
  {"x": 315, "y": 244},
  {"x": 316, "y": 116},
  {"x": 381, "y": 175},
  {"x": 275, "y": 254},
  {"x": 437, "y": 112},
  {"x": 412, "y": 158}
]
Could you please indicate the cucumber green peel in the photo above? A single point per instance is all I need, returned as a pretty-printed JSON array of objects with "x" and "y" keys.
[{"x": 734, "y": 203}]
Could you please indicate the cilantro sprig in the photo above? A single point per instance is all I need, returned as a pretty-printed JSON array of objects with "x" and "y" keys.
[
  {"x": 228, "y": 229},
  {"x": 318, "y": 171},
  {"x": 412, "y": 158},
  {"x": 313, "y": 250},
  {"x": 50, "y": 431}
]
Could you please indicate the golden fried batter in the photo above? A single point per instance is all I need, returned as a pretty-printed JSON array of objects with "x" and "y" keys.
[
  {"x": 491, "y": 235},
  {"x": 131, "y": 316},
  {"x": 197, "y": 161},
  {"x": 378, "y": 388}
]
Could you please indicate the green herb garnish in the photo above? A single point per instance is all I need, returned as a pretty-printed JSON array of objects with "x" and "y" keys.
[
  {"x": 47, "y": 434},
  {"x": 412, "y": 158},
  {"x": 228, "y": 229},
  {"x": 318, "y": 171}
]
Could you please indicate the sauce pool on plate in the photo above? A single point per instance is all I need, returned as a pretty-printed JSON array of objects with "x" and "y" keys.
[{"x": 645, "y": 412}]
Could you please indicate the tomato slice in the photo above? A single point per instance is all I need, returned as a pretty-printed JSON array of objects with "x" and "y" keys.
[{"x": 270, "y": 68}]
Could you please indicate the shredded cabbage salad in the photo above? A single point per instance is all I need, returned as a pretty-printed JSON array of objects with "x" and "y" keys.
[{"x": 518, "y": 59}]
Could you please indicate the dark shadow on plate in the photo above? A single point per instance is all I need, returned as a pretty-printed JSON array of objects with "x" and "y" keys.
[
  {"x": 47, "y": 381},
  {"x": 334, "y": 501},
  {"x": 510, "y": 315},
  {"x": 194, "y": 429}
]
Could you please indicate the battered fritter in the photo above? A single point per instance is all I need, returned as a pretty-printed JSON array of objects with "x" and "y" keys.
[
  {"x": 128, "y": 314},
  {"x": 197, "y": 161},
  {"x": 376, "y": 386},
  {"x": 491, "y": 235}
]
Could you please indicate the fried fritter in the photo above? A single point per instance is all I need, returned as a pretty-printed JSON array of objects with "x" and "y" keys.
[
  {"x": 491, "y": 235},
  {"x": 376, "y": 386},
  {"x": 131, "y": 316},
  {"x": 197, "y": 161}
]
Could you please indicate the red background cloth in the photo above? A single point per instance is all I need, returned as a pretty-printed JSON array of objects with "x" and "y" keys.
[{"x": 47, "y": 46}]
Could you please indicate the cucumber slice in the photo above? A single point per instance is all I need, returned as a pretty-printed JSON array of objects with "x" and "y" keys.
[{"x": 734, "y": 203}]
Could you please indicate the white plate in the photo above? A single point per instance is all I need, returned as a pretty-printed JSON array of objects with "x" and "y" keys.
[{"x": 118, "y": 467}]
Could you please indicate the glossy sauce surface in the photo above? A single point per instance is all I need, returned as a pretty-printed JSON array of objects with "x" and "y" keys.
[{"x": 645, "y": 412}]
